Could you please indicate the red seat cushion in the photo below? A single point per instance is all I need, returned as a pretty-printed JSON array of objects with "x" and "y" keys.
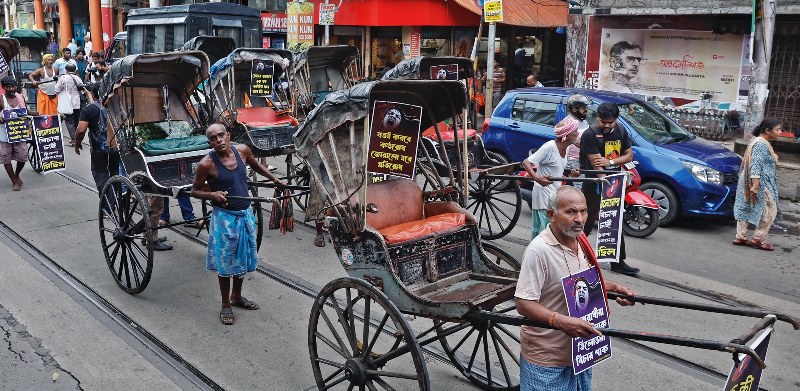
[
  {"x": 263, "y": 117},
  {"x": 421, "y": 228},
  {"x": 448, "y": 133}
]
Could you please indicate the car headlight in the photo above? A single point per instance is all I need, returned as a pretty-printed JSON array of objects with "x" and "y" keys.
[{"x": 703, "y": 173}]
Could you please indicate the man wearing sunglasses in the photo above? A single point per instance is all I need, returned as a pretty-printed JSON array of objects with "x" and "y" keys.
[{"x": 625, "y": 59}]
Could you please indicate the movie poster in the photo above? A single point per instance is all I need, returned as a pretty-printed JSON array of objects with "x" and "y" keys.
[
  {"x": 394, "y": 134},
  {"x": 670, "y": 63},
  {"x": 586, "y": 300}
]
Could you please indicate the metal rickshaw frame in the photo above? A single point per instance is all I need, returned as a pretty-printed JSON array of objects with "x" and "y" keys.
[
  {"x": 463, "y": 291},
  {"x": 138, "y": 90},
  {"x": 481, "y": 193}
]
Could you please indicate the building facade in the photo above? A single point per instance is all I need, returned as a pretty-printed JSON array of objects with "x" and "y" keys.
[{"x": 692, "y": 59}]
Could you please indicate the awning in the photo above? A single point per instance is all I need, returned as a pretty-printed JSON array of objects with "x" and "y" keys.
[
  {"x": 155, "y": 21},
  {"x": 527, "y": 13},
  {"x": 226, "y": 22}
]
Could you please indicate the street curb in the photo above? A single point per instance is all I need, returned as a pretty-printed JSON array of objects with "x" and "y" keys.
[{"x": 789, "y": 216}]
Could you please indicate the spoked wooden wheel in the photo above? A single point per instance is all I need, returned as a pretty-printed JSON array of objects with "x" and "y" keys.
[
  {"x": 496, "y": 209},
  {"x": 124, "y": 224},
  {"x": 486, "y": 353},
  {"x": 33, "y": 157},
  {"x": 500, "y": 258},
  {"x": 359, "y": 340},
  {"x": 258, "y": 211},
  {"x": 297, "y": 173}
]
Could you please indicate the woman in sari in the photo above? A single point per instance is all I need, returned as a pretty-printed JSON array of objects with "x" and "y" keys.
[
  {"x": 46, "y": 98},
  {"x": 757, "y": 193}
]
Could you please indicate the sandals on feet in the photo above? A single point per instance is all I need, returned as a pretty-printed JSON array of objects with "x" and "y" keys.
[
  {"x": 226, "y": 316},
  {"x": 194, "y": 224},
  {"x": 742, "y": 242},
  {"x": 244, "y": 303},
  {"x": 319, "y": 241},
  {"x": 761, "y": 245}
]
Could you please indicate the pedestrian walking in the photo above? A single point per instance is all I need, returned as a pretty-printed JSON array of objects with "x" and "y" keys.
[
  {"x": 69, "y": 89},
  {"x": 605, "y": 146},
  {"x": 519, "y": 65},
  {"x": 232, "y": 249},
  {"x": 757, "y": 193},
  {"x": 12, "y": 151},
  {"x": 66, "y": 58},
  {"x": 46, "y": 97},
  {"x": 82, "y": 63},
  {"x": 559, "y": 251},
  {"x": 550, "y": 160},
  {"x": 499, "y": 79}
]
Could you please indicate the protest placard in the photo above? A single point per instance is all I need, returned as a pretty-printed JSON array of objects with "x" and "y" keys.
[
  {"x": 444, "y": 72},
  {"x": 17, "y": 125},
  {"x": 49, "y": 143},
  {"x": 394, "y": 134},
  {"x": 586, "y": 300},
  {"x": 609, "y": 221},
  {"x": 261, "y": 73},
  {"x": 746, "y": 375}
]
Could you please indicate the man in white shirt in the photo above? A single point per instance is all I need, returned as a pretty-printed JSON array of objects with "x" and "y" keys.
[
  {"x": 60, "y": 65},
  {"x": 549, "y": 161}
]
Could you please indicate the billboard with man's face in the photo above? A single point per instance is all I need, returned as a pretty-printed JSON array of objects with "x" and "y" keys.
[{"x": 670, "y": 63}]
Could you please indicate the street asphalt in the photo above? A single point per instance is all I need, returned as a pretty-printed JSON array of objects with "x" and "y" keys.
[{"x": 51, "y": 329}]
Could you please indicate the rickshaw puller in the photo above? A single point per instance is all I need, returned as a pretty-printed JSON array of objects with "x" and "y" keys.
[
  {"x": 12, "y": 151},
  {"x": 232, "y": 248},
  {"x": 555, "y": 253}
]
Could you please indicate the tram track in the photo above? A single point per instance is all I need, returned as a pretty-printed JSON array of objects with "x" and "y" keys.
[
  {"x": 310, "y": 290},
  {"x": 158, "y": 353}
]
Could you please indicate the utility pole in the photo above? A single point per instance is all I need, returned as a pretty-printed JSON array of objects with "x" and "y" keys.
[
  {"x": 490, "y": 70},
  {"x": 327, "y": 31},
  {"x": 764, "y": 29}
]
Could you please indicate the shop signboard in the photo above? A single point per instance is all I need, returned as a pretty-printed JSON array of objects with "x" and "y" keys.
[
  {"x": 394, "y": 134},
  {"x": 273, "y": 22},
  {"x": 299, "y": 25},
  {"x": 493, "y": 11},
  {"x": 415, "y": 41},
  {"x": 326, "y": 14},
  {"x": 669, "y": 63}
]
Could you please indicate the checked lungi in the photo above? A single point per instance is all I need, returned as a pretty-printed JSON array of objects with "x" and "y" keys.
[{"x": 232, "y": 248}]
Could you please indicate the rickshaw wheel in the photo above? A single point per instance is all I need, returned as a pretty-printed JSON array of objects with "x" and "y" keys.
[
  {"x": 485, "y": 204},
  {"x": 258, "y": 211},
  {"x": 485, "y": 352},
  {"x": 33, "y": 157},
  {"x": 124, "y": 223},
  {"x": 297, "y": 173},
  {"x": 346, "y": 351},
  {"x": 500, "y": 258}
]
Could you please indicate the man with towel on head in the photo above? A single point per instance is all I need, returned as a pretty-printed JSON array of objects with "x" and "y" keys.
[{"x": 232, "y": 251}]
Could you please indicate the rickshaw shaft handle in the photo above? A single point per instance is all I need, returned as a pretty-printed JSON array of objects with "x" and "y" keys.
[
  {"x": 635, "y": 335},
  {"x": 272, "y": 185},
  {"x": 761, "y": 325},
  {"x": 720, "y": 309}
]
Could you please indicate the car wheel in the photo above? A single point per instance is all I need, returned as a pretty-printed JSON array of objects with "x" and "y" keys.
[{"x": 667, "y": 200}]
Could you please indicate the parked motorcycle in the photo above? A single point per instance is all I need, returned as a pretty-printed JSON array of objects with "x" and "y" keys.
[{"x": 640, "y": 216}]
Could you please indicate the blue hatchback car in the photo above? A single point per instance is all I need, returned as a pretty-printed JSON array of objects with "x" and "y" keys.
[{"x": 687, "y": 175}]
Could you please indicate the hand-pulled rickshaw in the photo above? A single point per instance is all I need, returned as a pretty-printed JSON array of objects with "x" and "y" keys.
[
  {"x": 409, "y": 253},
  {"x": 496, "y": 203},
  {"x": 148, "y": 97},
  {"x": 250, "y": 91},
  {"x": 318, "y": 71}
]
